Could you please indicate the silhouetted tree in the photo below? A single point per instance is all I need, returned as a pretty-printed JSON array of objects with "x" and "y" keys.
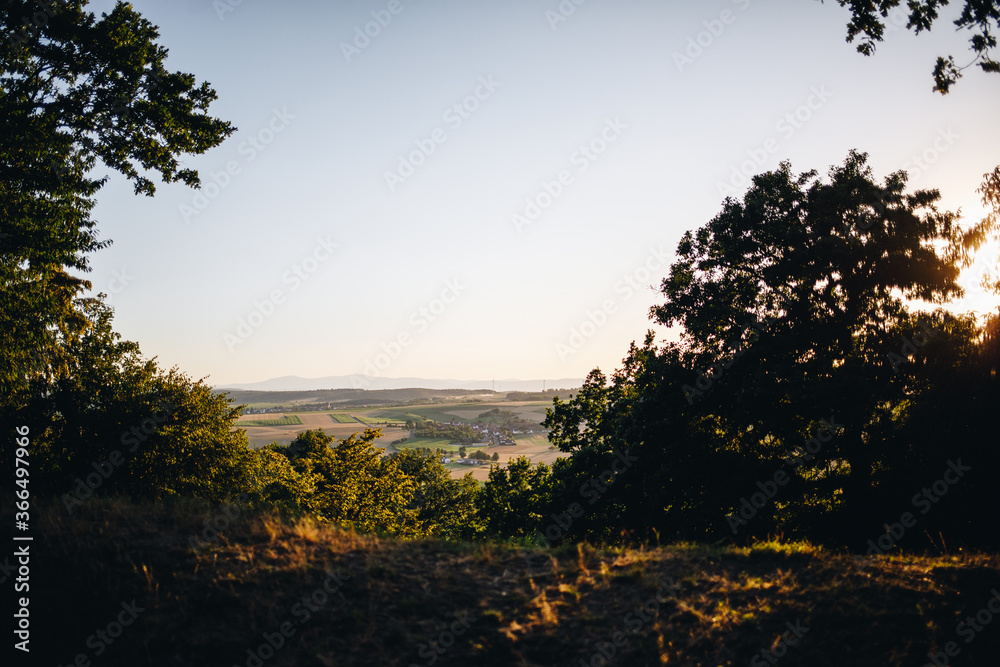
[
  {"x": 790, "y": 307},
  {"x": 981, "y": 17}
]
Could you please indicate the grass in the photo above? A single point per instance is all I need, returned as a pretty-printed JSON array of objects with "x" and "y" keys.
[
  {"x": 343, "y": 418},
  {"x": 287, "y": 420},
  {"x": 386, "y": 599}
]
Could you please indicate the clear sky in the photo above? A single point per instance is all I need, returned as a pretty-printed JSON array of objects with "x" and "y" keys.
[{"x": 484, "y": 189}]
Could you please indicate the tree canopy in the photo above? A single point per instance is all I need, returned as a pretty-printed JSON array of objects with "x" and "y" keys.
[
  {"x": 78, "y": 91},
  {"x": 803, "y": 364},
  {"x": 980, "y": 17}
]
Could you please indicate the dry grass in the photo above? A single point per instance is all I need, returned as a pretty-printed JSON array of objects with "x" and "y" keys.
[{"x": 388, "y": 599}]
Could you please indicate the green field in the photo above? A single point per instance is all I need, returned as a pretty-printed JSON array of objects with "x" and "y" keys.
[
  {"x": 432, "y": 443},
  {"x": 343, "y": 418},
  {"x": 419, "y": 412},
  {"x": 287, "y": 420},
  {"x": 440, "y": 413}
]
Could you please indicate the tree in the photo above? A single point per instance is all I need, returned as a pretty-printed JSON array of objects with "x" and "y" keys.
[
  {"x": 355, "y": 486},
  {"x": 981, "y": 17},
  {"x": 496, "y": 457},
  {"x": 445, "y": 506},
  {"x": 110, "y": 421},
  {"x": 825, "y": 266},
  {"x": 76, "y": 90},
  {"x": 790, "y": 306},
  {"x": 514, "y": 499}
]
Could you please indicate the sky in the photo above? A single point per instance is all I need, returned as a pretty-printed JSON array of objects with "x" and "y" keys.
[{"x": 469, "y": 189}]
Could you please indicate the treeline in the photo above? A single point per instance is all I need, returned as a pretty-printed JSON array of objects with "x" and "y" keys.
[
  {"x": 546, "y": 395},
  {"x": 803, "y": 399},
  {"x": 506, "y": 419},
  {"x": 817, "y": 386}
]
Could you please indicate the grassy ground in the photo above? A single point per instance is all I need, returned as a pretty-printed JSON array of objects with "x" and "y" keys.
[{"x": 347, "y": 599}]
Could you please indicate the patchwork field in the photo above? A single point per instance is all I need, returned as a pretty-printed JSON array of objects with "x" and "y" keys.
[
  {"x": 342, "y": 418},
  {"x": 342, "y": 425},
  {"x": 287, "y": 420},
  {"x": 258, "y": 436}
]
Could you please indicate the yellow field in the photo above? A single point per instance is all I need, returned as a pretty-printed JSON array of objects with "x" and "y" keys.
[{"x": 258, "y": 436}]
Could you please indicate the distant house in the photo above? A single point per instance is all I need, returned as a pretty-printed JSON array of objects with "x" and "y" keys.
[{"x": 446, "y": 460}]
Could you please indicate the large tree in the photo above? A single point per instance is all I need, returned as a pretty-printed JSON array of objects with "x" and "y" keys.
[
  {"x": 827, "y": 264},
  {"x": 792, "y": 306},
  {"x": 76, "y": 92}
]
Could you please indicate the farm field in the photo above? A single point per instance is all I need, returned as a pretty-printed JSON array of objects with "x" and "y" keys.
[
  {"x": 461, "y": 412},
  {"x": 432, "y": 443},
  {"x": 342, "y": 425},
  {"x": 343, "y": 418},
  {"x": 286, "y": 420},
  {"x": 258, "y": 436}
]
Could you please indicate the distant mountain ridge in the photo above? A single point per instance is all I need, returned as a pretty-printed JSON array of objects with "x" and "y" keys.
[{"x": 296, "y": 383}]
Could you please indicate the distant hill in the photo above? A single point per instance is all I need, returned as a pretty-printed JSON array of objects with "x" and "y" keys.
[
  {"x": 349, "y": 398},
  {"x": 295, "y": 383}
]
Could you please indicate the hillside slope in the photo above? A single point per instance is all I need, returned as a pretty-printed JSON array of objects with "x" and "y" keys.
[{"x": 268, "y": 592}]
